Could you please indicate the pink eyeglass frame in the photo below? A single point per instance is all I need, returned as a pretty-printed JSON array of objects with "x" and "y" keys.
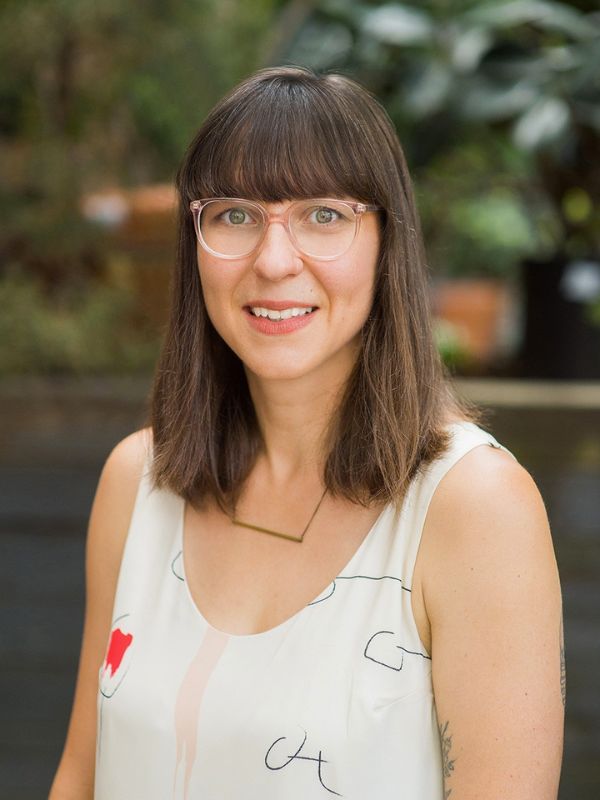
[{"x": 359, "y": 209}]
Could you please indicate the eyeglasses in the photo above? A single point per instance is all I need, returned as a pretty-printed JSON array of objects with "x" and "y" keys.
[{"x": 321, "y": 228}]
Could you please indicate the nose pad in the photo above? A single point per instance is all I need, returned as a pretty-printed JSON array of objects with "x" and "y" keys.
[{"x": 277, "y": 255}]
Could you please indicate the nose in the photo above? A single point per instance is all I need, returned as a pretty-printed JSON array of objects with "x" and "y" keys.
[{"x": 277, "y": 257}]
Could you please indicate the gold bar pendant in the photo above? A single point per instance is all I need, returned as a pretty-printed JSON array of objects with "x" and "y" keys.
[{"x": 265, "y": 530}]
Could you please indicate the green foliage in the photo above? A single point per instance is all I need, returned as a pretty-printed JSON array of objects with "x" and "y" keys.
[
  {"x": 474, "y": 216},
  {"x": 592, "y": 312},
  {"x": 451, "y": 348},
  {"x": 97, "y": 95},
  {"x": 83, "y": 331},
  {"x": 100, "y": 94},
  {"x": 130, "y": 82},
  {"x": 496, "y": 102},
  {"x": 454, "y": 75}
]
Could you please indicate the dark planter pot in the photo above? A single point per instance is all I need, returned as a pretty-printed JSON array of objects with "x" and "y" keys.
[{"x": 558, "y": 341}]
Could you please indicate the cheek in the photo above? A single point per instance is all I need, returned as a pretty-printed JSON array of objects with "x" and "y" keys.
[
  {"x": 217, "y": 293},
  {"x": 353, "y": 280},
  {"x": 352, "y": 295},
  {"x": 357, "y": 285}
]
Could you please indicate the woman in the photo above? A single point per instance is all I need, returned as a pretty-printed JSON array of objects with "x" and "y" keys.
[{"x": 313, "y": 575}]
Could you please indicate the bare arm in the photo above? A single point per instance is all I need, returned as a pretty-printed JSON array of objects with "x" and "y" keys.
[
  {"x": 107, "y": 532},
  {"x": 493, "y": 599}
]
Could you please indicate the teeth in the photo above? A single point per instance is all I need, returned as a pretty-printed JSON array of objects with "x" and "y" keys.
[{"x": 278, "y": 315}]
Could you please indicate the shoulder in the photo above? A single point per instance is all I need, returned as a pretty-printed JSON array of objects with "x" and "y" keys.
[
  {"x": 486, "y": 483},
  {"x": 127, "y": 458},
  {"x": 486, "y": 532},
  {"x": 110, "y": 517},
  {"x": 117, "y": 488},
  {"x": 123, "y": 468}
]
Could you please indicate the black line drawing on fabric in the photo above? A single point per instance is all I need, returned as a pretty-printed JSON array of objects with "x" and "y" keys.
[
  {"x": 297, "y": 757},
  {"x": 174, "y": 562},
  {"x": 327, "y": 596},
  {"x": 373, "y": 578},
  {"x": 388, "y": 653},
  {"x": 353, "y": 577}
]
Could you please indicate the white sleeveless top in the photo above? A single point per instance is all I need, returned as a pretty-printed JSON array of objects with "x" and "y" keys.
[{"x": 336, "y": 701}]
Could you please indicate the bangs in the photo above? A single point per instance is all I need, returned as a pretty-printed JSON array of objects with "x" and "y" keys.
[{"x": 288, "y": 141}]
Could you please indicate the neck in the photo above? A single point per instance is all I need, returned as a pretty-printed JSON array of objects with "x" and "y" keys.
[{"x": 294, "y": 416}]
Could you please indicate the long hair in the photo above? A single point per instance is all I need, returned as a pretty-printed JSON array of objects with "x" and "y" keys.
[{"x": 282, "y": 134}]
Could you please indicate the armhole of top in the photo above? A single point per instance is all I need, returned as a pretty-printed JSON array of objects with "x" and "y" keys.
[
  {"x": 430, "y": 480},
  {"x": 143, "y": 490}
]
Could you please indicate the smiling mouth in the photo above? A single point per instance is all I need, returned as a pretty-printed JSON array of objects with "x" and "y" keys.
[{"x": 286, "y": 313}]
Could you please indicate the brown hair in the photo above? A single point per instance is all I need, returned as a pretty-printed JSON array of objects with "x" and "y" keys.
[{"x": 288, "y": 133}]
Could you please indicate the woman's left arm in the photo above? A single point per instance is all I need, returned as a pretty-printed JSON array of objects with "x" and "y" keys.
[{"x": 492, "y": 595}]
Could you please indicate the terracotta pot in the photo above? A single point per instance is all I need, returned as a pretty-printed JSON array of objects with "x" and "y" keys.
[{"x": 479, "y": 311}]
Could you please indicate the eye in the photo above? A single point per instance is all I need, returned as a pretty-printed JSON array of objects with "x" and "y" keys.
[
  {"x": 322, "y": 215},
  {"x": 236, "y": 216}
]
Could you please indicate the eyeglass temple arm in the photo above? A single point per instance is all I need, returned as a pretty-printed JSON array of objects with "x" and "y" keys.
[{"x": 361, "y": 208}]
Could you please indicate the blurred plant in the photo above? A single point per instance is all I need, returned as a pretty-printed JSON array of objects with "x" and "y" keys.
[
  {"x": 95, "y": 95},
  {"x": 451, "y": 347},
  {"x": 473, "y": 213},
  {"x": 88, "y": 330},
  {"x": 470, "y": 74},
  {"x": 100, "y": 94},
  {"x": 593, "y": 312}
]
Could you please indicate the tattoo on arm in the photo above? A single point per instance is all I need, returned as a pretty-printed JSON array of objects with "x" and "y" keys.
[
  {"x": 563, "y": 672},
  {"x": 447, "y": 762}
]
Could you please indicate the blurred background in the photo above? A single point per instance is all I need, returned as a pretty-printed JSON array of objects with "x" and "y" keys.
[{"x": 497, "y": 104}]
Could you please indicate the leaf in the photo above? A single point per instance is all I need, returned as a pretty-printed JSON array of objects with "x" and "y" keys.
[
  {"x": 398, "y": 24},
  {"x": 321, "y": 45},
  {"x": 482, "y": 100},
  {"x": 468, "y": 47},
  {"x": 547, "y": 15},
  {"x": 543, "y": 123},
  {"x": 428, "y": 91}
]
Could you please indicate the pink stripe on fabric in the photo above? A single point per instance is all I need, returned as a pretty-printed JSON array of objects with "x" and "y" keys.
[{"x": 189, "y": 701}]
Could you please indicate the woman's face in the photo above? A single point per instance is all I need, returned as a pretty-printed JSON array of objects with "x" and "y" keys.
[{"x": 276, "y": 277}]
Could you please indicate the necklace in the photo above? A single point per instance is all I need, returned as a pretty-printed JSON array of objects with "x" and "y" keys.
[{"x": 281, "y": 535}]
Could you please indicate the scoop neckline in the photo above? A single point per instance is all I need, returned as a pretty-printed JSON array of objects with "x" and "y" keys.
[
  {"x": 358, "y": 553},
  {"x": 369, "y": 536}
]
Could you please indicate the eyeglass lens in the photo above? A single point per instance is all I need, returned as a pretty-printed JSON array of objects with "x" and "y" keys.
[{"x": 318, "y": 228}]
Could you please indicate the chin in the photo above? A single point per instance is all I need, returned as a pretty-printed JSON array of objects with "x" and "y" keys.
[{"x": 278, "y": 371}]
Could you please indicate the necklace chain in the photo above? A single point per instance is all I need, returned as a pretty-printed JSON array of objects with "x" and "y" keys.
[{"x": 240, "y": 523}]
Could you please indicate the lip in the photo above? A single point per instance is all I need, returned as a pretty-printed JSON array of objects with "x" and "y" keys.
[
  {"x": 278, "y": 305},
  {"x": 272, "y": 328}
]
